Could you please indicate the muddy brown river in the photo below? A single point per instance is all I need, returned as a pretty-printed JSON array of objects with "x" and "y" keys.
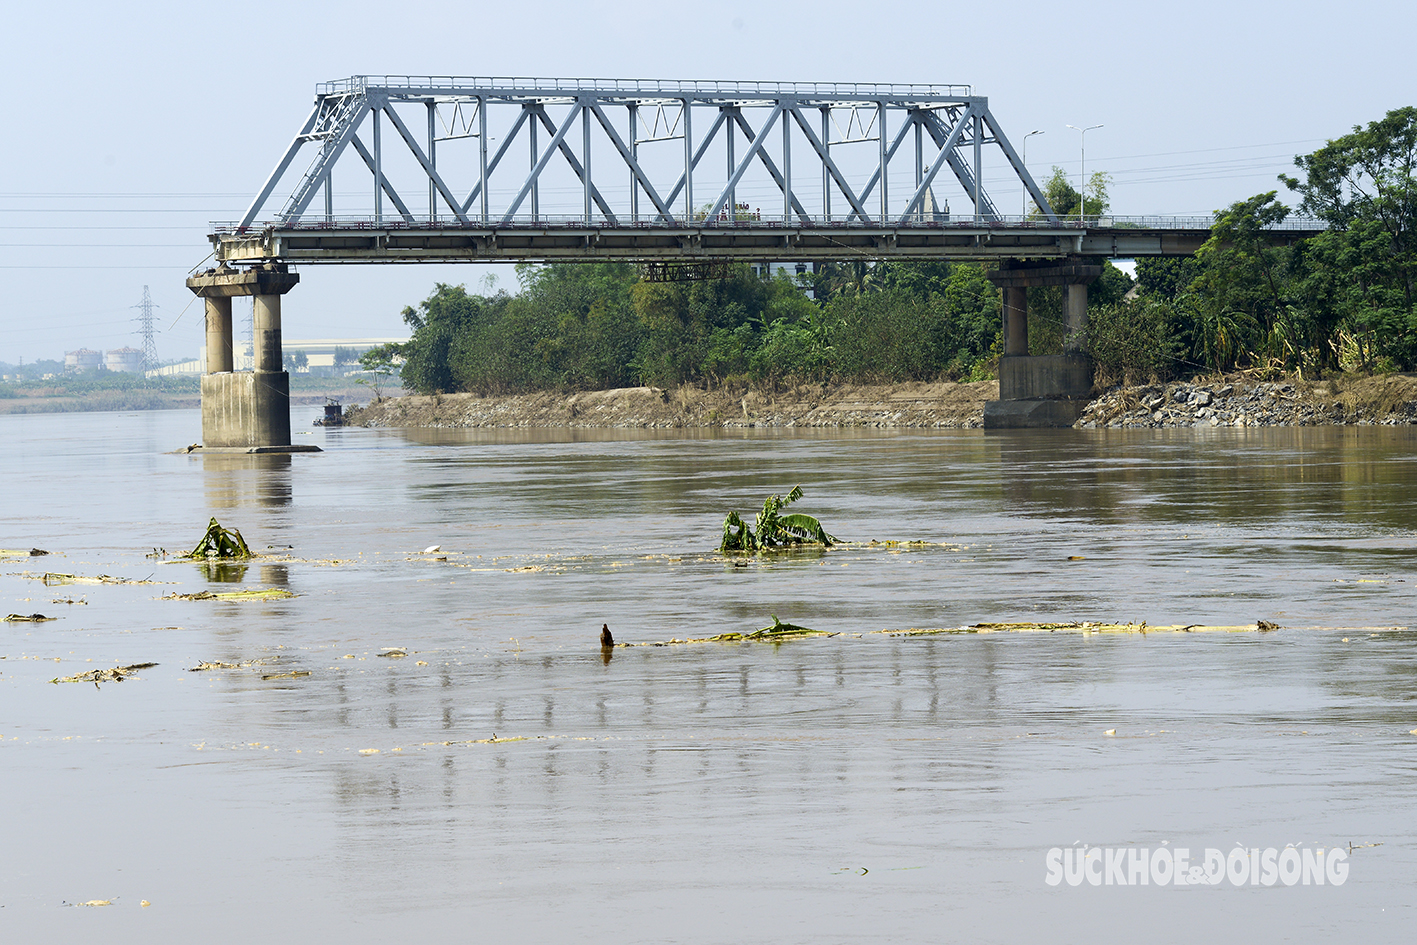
[{"x": 507, "y": 781}]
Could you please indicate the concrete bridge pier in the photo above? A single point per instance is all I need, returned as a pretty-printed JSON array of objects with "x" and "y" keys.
[
  {"x": 1042, "y": 390},
  {"x": 245, "y": 411}
]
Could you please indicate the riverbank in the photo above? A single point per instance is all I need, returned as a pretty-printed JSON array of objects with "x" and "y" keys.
[
  {"x": 1236, "y": 400},
  {"x": 848, "y": 405}
]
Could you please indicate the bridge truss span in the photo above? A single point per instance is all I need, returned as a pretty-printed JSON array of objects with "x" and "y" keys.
[
  {"x": 514, "y": 153},
  {"x": 434, "y": 169}
]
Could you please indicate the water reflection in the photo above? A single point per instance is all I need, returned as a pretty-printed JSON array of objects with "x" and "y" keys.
[
  {"x": 1221, "y": 476},
  {"x": 240, "y": 480},
  {"x": 224, "y": 572}
]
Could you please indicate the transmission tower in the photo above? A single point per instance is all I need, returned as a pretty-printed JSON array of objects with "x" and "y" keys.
[{"x": 145, "y": 328}]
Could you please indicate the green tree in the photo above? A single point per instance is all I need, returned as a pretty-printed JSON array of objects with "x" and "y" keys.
[
  {"x": 588, "y": 334},
  {"x": 1359, "y": 274},
  {"x": 1063, "y": 197},
  {"x": 380, "y": 362},
  {"x": 683, "y": 321},
  {"x": 1241, "y": 300}
]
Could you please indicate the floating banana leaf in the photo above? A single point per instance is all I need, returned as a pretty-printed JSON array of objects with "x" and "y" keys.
[
  {"x": 771, "y": 529},
  {"x": 220, "y": 542}
]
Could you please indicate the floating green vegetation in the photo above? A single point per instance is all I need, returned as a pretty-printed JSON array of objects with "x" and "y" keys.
[
  {"x": 220, "y": 542},
  {"x": 777, "y": 631},
  {"x": 772, "y": 529}
]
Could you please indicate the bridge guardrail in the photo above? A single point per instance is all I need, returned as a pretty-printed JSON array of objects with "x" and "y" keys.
[
  {"x": 663, "y": 87},
  {"x": 753, "y": 221}
]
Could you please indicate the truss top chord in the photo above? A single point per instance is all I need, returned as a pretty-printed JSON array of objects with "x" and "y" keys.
[{"x": 643, "y": 90}]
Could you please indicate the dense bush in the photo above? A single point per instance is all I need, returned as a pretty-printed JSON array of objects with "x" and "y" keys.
[{"x": 595, "y": 326}]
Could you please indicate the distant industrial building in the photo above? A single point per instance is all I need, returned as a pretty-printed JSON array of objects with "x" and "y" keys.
[{"x": 319, "y": 354}]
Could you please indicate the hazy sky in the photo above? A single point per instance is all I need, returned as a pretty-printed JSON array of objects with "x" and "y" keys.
[{"x": 133, "y": 126}]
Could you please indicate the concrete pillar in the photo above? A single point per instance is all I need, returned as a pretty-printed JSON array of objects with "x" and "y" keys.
[
  {"x": 1015, "y": 320},
  {"x": 220, "y": 358},
  {"x": 245, "y": 410},
  {"x": 1075, "y": 318},
  {"x": 266, "y": 320}
]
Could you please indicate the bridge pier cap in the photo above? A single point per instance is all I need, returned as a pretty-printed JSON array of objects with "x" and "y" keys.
[{"x": 272, "y": 278}]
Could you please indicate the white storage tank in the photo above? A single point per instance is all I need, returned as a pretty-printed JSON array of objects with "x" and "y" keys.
[
  {"x": 128, "y": 360},
  {"x": 83, "y": 360}
]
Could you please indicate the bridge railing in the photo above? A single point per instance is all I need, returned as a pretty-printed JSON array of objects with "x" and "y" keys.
[
  {"x": 674, "y": 88},
  {"x": 752, "y": 220}
]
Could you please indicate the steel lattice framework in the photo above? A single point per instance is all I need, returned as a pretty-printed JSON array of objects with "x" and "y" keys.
[{"x": 540, "y": 169}]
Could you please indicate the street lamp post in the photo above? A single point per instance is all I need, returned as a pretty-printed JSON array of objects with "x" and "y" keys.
[
  {"x": 1025, "y": 169},
  {"x": 1082, "y": 191}
]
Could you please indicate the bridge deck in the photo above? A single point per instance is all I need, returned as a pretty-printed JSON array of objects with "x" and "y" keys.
[{"x": 364, "y": 241}]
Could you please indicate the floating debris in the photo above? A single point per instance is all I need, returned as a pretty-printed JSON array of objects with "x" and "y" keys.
[
  {"x": 22, "y": 553},
  {"x": 269, "y": 593},
  {"x": 206, "y": 665},
  {"x": 775, "y": 633},
  {"x": 67, "y": 600},
  {"x": 55, "y": 579},
  {"x": 1084, "y": 628},
  {"x": 293, "y": 674},
  {"x": 393, "y": 652},
  {"x": 111, "y": 674},
  {"x": 220, "y": 542},
  {"x": 29, "y": 618}
]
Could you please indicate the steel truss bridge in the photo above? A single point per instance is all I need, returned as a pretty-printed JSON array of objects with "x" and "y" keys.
[{"x": 662, "y": 171}]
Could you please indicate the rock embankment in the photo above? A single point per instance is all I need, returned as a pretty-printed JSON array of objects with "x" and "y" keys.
[
  {"x": 1240, "y": 402},
  {"x": 894, "y": 405}
]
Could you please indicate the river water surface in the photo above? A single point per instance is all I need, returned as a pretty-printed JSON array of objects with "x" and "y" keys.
[{"x": 506, "y": 781}]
